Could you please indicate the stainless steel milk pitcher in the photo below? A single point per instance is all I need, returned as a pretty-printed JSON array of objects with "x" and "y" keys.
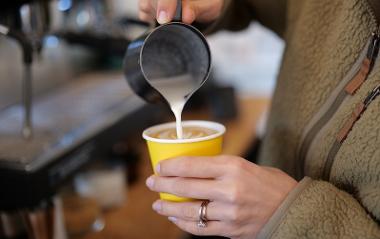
[{"x": 167, "y": 51}]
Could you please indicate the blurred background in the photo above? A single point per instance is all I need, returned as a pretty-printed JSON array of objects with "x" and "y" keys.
[{"x": 72, "y": 161}]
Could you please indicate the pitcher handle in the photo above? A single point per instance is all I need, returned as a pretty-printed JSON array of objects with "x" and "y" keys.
[{"x": 178, "y": 12}]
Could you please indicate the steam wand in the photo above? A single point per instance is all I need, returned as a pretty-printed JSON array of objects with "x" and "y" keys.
[{"x": 27, "y": 87}]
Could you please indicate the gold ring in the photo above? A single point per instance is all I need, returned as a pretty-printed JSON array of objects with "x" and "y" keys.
[{"x": 203, "y": 214}]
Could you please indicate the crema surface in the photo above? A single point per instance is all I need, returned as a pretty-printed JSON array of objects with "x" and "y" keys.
[{"x": 189, "y": 132}]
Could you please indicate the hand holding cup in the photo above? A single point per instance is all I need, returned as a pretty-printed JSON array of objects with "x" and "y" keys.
[{"x": 242, "y": 196}]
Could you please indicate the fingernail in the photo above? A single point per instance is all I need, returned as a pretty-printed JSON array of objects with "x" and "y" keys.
[
  {"x": 158, "y": 168},
  {"x": 162, "y": 17},
  {"x": 172, "y": 219},
  {"x": 157, "y": 206},
  {"x": 149, "y": 182}
]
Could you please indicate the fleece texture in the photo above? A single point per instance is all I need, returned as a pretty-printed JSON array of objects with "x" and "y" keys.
[{"x": 323, "y": 40}]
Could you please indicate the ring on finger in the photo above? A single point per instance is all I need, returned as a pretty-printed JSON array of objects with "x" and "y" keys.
[{"x": 203, "y": 214}]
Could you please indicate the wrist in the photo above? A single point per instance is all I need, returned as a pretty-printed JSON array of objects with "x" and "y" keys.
[{"x": 279, "y": 214}]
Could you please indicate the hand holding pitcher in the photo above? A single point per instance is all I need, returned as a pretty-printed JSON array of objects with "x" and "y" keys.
[{"x": 193, "y": 10}]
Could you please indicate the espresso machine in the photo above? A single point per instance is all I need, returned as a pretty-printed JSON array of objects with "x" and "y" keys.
[
  {"x": 27, "y": 26},
  {"x": 45, "y": 139}
]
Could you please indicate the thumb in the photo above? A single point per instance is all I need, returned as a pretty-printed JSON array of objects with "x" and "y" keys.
[{"x": 166, "y": 10}]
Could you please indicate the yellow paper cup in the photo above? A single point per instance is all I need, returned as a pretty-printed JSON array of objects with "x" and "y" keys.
[{"x": 162, "y": 149}]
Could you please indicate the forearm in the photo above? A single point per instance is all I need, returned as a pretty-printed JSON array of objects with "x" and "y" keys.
[{"x": 317, "y": 209}]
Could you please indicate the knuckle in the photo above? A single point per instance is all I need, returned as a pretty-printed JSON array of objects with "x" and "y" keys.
[
  {"x": 236, "y": 166},
  {"x": 178, "y": 187},
  {"x": 163, "y": 167},
  {"x": 235, "y": 214},
  {"x": 188, "y": 213},
  {"x": 166, "y": 167},
  {"x": 163, "y": 208},
  {"x": 184, "y": 165},
  {"x": 234, "y": 194},
  {"x": 174, "y": 166},
  {"x": 220, "y": 191}
]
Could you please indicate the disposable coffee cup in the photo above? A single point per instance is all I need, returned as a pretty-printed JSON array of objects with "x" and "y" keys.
[{"x": 163, "y": 149}]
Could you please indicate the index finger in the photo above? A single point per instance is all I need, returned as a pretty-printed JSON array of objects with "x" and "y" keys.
[
  {"x": 166, "y": 10},
  {"x": 192, "y": 167}
]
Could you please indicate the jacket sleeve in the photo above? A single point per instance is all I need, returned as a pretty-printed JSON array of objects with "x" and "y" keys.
[
  {"x": 317, "y": 209},
  {"x": 238, "y": 14}
]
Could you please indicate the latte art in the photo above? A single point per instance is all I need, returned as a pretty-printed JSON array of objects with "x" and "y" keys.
[{"x": 190, "y": 132}]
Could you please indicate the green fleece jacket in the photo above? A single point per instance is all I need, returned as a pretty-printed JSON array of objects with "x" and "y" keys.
[{"x": 339, "y": 196}]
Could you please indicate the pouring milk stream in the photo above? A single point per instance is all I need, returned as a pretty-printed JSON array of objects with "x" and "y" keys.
[{"x": 176, "y": 90}]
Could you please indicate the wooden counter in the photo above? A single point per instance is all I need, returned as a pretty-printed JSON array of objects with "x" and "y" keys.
[{"x": 136, "y": 219}]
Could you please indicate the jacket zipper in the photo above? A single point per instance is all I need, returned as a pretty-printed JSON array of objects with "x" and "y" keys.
[
  {"x": 367, "y": 65},
  {"x": 346, "y": 129},
  {"x": 359, "y": 77}
]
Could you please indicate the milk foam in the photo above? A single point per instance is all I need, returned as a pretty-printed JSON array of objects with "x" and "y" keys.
[{"x": 189, "y": 132}]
